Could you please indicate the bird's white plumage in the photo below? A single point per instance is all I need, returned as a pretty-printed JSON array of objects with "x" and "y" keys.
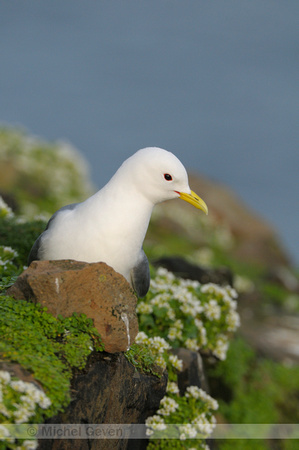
[{"x": 111, "y": 225}]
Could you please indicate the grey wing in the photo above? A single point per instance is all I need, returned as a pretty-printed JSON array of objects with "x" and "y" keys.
[
  {"x": 34, "y": 254},
  {"x": 140, "y": 276}
]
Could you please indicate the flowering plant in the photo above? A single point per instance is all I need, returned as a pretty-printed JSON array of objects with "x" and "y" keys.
[
  {"x": 187, "y": 314},
  {"x": 5, "y": 210},
  {"x": 183, "y": 313},
  {"x": 20, "y": 402},
  {"x": 196, "y": 406}
]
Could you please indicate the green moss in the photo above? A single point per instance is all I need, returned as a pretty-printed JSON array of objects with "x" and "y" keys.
[
  {"x": 143, "y": 360},
  {"x": 50, "y": 348}
]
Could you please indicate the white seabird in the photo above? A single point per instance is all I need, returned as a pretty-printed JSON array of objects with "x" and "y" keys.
[{"x": 110, "y": 226}]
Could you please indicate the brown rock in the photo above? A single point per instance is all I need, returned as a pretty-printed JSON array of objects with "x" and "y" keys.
[
  {"x": 68, "y": 286},
  {"x": 16, "y": 370}
]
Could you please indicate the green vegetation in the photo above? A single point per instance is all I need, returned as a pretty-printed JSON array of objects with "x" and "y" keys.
[
  {"x": 143, "y": 359},
  {"x": 254, "y": 390},
  {"x": 40, "y": 176},
  {"x": 248, "y": 387},
  {"x": 50, "y": 348}
]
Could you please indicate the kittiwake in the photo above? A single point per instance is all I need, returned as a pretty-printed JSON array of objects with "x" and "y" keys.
[{"x": 110, "y": 226}]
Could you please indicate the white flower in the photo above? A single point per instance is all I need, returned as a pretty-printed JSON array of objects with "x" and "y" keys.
[
  {"x": 231, "y": 292},
  {"x": 141, "y": 338},
  {"x": 212, "y": 310},
  {"x": 178, "y": 324},
  {"x": 176, "y": 362},
  {"x": 181, "y": 294},
  {"x": 167, "y": 406},
  {"x": 5, "y": 435},
  {"x": 221, "y": 347},
  {"x": 174, "y": 334},
  {"x": 233, "y": 320},
  {"x": 4, "y": 376},
  {"x": 162, "y": 272},
  {"x": 162, "y": 281},
  {"x": 194, "y": 284},
  {"x": 192, "y": 344},
  {"x": 187, "y": 309},
  {"x": 33, "y": 396},
  {"x": 154, "y": 423},
  {"x": 161, "y": 300},
  {"x": 170, "y": 314},
  {"x": 172, "y": 387},
  {"x": 202, "y": 332},
  {"x": 159, "y": 344},
  {"x": 144, "y": 308},
  {"x": 4, "y": 411},
  {"x": 203, "y": 425},
  {"x": 211, "y": 288},
  {"x": 197, "y": 393},
  {"x": 188, "y": 431},
  {"x": 160, "y": 361},
  {"x": 193, "y": 391},
  {"x": 19, "y": 386},
  {"x": 30, "y": 445},
  {"x": 10, "y": 252},
  {"x": 6, "y": 211},
  {"x": 44, "y": 401},
  {"x": 22, "y": 414}
]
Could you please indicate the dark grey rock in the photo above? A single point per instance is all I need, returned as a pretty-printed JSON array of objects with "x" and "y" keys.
[
  {"x": 184, "y": 269},
  {"x": 110, "y": 391}
]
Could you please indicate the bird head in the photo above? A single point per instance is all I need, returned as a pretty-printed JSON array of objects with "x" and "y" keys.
[{"x": 159, "y": 175}]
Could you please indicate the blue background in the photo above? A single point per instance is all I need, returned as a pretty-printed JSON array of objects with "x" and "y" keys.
[{"x": 216, "y": 82}]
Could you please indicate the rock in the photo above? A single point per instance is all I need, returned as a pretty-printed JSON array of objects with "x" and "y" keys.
[
  {"x": 282, "y": 276},
  {"x": 184, "y": 269},
  {"x": 109, "y": 392},
  {"x": 193, "y": 370},
  {"x": 16, "y": 370},
  {"x": 96, "y": 290}
]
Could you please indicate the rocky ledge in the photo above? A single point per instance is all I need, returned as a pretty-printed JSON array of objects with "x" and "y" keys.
[{"x": 96, "y": 290}]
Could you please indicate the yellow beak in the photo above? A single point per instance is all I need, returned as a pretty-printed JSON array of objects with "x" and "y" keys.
[{"x": 195, "y": 200}]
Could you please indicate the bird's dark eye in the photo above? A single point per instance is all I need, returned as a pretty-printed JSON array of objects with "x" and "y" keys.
[{"x": 167, "y": 177}]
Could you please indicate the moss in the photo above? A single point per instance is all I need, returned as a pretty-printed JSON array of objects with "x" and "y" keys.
[
  {"x": 143, "y": 360},
  {"x": 50, "y": 348}
]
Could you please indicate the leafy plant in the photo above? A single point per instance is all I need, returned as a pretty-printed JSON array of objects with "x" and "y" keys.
[
  {"x": 187, "y": 314},
  {"x": 254, "y": 390},
  {"x": 178, "y": 313}
]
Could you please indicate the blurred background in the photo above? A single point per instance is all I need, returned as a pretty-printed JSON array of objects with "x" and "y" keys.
[{"x": 214, "y": 82}]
